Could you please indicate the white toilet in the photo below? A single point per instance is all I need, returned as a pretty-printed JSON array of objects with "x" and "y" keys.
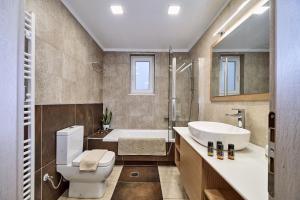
[{"x": 68, "y": 155}]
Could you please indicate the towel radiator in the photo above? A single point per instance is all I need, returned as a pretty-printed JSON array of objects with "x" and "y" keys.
[{"x": 29, "y": 110}]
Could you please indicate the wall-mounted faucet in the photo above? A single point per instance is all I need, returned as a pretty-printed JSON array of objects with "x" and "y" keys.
[{"x": 240, "y": 115}]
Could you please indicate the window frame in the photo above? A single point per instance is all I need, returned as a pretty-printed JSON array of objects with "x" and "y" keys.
[
  {"x": 224, "y": 91},
  {"x": 142, "y": 58}
]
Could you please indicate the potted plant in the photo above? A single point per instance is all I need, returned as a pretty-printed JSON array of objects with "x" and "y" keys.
[{"x": 106, "y": 119}]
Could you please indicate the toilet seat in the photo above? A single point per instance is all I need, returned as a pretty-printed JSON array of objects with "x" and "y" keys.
[{"x": 107, "y": 159}]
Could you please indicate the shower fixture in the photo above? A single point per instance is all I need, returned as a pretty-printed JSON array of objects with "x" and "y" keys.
[
  {"x": 186, "y": 67},
  {"x": 174, "y": 71},
  {"x": 179, "y": 68}
]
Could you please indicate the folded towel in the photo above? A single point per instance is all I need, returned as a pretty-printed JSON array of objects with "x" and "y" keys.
[
  {"x": 90, "y": 161},
  {"x": 142, "y": 146}
]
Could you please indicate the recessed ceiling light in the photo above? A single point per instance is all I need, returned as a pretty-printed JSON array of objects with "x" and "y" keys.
[
  {"x": 117, "y": 9},
  {"x": 261, "y": 10},
  {"x": 173, "y": 10}
]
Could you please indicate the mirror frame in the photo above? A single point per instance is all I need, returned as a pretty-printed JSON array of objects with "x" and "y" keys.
[{"x": 243, "y": 97}]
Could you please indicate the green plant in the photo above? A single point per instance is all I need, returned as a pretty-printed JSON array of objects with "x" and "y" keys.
[{"x": 106, "y": 117}]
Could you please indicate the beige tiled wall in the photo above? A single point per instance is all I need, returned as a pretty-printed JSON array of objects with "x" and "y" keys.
[
  {"x": 256, "y": 112},
  {"x": 64, "y": 74},
  {"x": 136, "y": 111},
  {"x": 64, "y": 53}
]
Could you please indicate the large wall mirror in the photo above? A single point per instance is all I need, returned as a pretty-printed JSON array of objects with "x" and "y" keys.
[{"x": 240, "y": 62}]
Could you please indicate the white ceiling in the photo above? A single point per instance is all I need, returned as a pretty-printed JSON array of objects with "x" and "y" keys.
[
  {"x": 251, "y": 35},
  {"x": 145, "y": 25}
]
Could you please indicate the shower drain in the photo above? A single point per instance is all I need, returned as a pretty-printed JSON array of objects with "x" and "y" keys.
[{"x": 134, "y": 174}]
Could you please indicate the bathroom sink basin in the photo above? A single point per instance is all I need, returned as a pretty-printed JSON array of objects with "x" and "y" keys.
[{"x": 204, "y": 131}]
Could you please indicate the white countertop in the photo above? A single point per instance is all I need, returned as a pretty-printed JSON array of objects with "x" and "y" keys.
[{"x": 247, "y": 174}]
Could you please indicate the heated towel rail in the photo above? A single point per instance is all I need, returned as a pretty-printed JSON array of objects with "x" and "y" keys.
[{"x": 29, "y": 110}]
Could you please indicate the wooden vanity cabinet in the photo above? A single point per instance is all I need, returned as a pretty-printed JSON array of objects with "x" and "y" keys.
[
  {"x": 190, "y": 171},
  {"x": 198, "y": 176}
]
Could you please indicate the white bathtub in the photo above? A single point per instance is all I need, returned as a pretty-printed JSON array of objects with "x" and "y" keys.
[{"x": 138, "y": 133}]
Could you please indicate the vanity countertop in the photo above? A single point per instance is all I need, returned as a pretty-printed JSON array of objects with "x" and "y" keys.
[{"x": 247, "y": 174}]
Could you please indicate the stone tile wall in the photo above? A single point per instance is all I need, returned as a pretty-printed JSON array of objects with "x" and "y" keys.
[
  {"x": 64, "y": 53},
  {"x": 256, "y": 112},
  {"x": 143, "y": 111}
]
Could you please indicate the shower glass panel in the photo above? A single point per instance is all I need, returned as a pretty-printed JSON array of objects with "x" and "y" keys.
[{"x": 181, "y": 91}]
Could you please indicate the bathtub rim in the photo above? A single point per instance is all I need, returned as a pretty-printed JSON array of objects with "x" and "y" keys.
[{"x": 108, "y": 139}]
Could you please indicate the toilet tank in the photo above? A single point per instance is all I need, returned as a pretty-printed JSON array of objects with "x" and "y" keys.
[{"x": 69, "y": 144}]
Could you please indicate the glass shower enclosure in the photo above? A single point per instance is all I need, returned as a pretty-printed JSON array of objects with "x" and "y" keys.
[{"x": 181, "y": 91}]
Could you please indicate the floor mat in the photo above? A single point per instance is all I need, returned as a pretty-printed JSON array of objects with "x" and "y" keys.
[
  {"x": 138, "y": 183},
  {"x": 139, "y": 174}
]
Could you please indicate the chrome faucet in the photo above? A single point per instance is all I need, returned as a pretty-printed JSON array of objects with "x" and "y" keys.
[{"x": 240, "y": 115}]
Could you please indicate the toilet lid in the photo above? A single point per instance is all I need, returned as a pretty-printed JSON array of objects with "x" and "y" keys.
[{"x": 107, "y": 159}]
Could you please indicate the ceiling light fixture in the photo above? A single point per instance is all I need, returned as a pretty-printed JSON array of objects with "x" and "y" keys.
[
  {"x": 261, "y": 10},
  {"x": 220, "y": 30},
  {"x": 173, "y": 10},
  {"x": 117, "y": 9}
]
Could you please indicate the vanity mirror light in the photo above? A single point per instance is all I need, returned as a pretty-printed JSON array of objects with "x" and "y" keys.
[{"x": 240, "y": 61}]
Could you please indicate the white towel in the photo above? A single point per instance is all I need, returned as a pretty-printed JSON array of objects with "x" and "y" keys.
[{"x": 142, "y": 146}]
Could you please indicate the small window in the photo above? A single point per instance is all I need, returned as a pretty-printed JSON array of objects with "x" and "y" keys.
[
  {"x": 229, "y": 75},
  {"x": 142, "y": 75}
]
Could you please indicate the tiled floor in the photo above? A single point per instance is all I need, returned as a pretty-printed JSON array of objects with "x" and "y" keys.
[
  {"x": 171, "y": 186},
  {"x": 147, "y": 184}
]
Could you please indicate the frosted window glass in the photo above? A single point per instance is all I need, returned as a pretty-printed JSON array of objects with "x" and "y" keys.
[
  {"x": 231, "y": 67},
  {"x": 229, "y": 76},
  {"x": 142, "y": 75},
  {"x": 222, "y": 72}
]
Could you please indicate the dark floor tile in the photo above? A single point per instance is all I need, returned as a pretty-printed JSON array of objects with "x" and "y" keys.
[
  {"x": 48, "y": 193},
  {"x": 38, "y": 135},
  {"x": 119, "y": 162},
  {"x": 84, "y": 116},
  {"x": 54, "y": 118},
  {"x": 137, "y": 191},
  {"x": 139, "y": 174}
]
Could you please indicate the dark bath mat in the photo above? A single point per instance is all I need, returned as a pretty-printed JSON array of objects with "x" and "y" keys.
[
  {"x": 139, "y": 174},
  {"x": 137, "y": 191}
]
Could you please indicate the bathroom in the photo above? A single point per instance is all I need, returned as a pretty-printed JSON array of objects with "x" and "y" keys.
[{"x": 126, "y": 99}]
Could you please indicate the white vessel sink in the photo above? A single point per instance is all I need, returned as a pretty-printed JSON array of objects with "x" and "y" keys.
[{"x": 203, "y": 131}]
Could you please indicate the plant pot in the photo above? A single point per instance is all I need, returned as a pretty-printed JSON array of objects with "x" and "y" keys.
[{"x": 105, "y": 126}]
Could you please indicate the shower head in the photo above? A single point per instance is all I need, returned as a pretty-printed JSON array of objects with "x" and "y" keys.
[
  {"x": 187, "y": 66},
  {"x": 179, "y": 68}
]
